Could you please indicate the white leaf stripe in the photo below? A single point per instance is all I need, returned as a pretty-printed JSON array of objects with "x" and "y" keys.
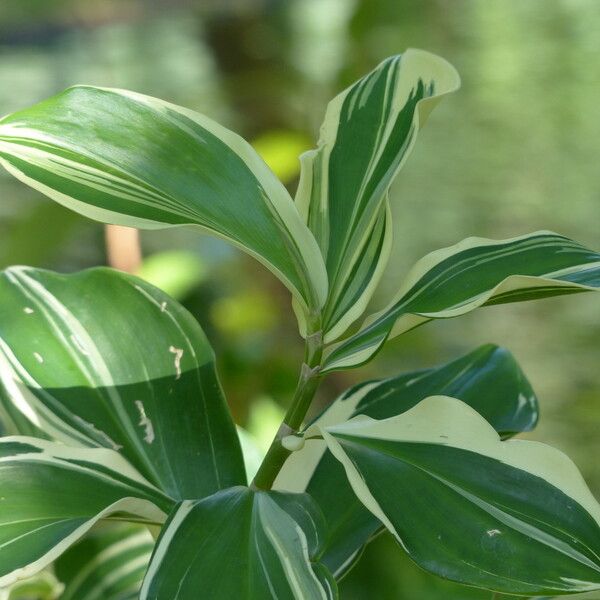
[
  {"x": 131, "y": 505},
  {"x": 21, "y": 409},
  {"x": 511, "y": 520},
  {"x": 101, "y": 463},
  {"x": 357, "y": 288},
  {"x": 91, "y": 389},
  {"x": 359, "y": 485},
  {"x": 441, "y": 432},
  {"x": 107, "y": 177},
  {"x": 343, "y": 187},
  {"x": 96, "y": 175},
  {"x": 45, "y": 584},
  {"x": 510, "y": 406},
  {"x": 167, "y": 537},
  {"x": 274, "y": 522},
  {"x": 34, "y": 567},
  {"x": 464, "y": 377},
  {"x": 139, "y": 564},
  {"x": 458, "y": 422},
  {"x": 52, "y": 495},
  {"x": 113, "y": 571},
  {"x": 398, "y": 88},
  {"x": 514, "y": 521},
  {"x": 473, "y": 273},
  {"x": 140, "y": 542},
  {"x": 300, "y": 466},
  {"x": 65, "y": 325},
  {"x": 458, "y": 259},
  {"x": 80, "y": 345},
  {"x": 544, "y": 241},
  {"x": 252, "y": 530}
]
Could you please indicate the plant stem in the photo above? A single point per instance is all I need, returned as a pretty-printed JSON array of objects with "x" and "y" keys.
[
  {"x": 123, "y": 248},
  {"x": 308, "y": 383}
]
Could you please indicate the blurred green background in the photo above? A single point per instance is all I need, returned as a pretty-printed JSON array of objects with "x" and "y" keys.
[{"x": 515, "y": 150}]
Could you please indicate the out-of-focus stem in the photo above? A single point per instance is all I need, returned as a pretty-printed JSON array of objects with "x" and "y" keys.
[{"x": 123, "y": 249}]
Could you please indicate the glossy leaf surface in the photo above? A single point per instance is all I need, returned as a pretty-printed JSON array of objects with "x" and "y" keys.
[
  {"x": 240, "y": 543},
  {"x": 488, "y": 379},
  {"x": 52, "y": 495},
  {"x": 101, "y": 358},
  {"x": 513, "y": 516},
  {"x": 368, "y": 132},
  {"x": 128, "y": 159},
  {"x": 476, "y": 272}
]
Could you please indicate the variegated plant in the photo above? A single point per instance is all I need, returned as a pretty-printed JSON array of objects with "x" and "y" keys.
[{"x": 122, "y": 471}]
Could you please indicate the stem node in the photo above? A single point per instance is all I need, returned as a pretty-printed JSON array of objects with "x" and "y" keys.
[{"x": 308, "y": 383}]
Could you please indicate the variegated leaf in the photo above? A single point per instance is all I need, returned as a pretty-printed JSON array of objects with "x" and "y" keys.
[
  {"x": 43, "y": 586},
  {"x": 514, "y": 516},
  {"x": 51, "y": 495},
  {"x": 13, "y": 421},
  {"x": 476, "y": 272},
  {"x": 241, "y": 543},
  {"x": 124, "y": 158},
  {"x": 108, "y": 564},
  {"x": 101, "y": 358},
  {"x": 488, "y": 379},
  {"x": 368, "y": 132}
]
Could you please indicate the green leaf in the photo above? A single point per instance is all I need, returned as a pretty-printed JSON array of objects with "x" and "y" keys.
[
  {"x": 488, "y": 379},
  {"x": 120, "y": 157},
  {"x": 101, "y": 358},
  {"x": 266, "y": 540},
  {"x": 43, "y": 586},
  {"x": 514, "y": 516},
  {"x": 368, "y": 132},
  {"x": 13, "y": 421},
  {"x": 476, "y": 272},
  {"x": 52, "y": 495},
  {"x": 108, "y": 564}
]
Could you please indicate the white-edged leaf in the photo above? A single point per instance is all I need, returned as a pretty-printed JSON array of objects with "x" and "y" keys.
[
  {"x": 488, "y": 379},
  {"x": 368, "y": 132},
  {"x": 513, "y": 516},
  {"x": 240, "y": 543},
  {"x": 101, "y": 358},
  {"x": 51, "y": 495},
  {"x": 476, "y": 272},
  {"x": 124, "y": 158},
  {"x": 42, "y": 586},
  {"x": 108, "y": 564}
]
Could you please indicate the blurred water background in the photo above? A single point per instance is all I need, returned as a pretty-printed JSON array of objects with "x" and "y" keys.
[{"x": 517, "y": 149}]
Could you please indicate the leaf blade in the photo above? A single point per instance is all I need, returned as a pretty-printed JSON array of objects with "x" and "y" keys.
[
  {"x": 513, "y": 517},
  {"x": 368, "y": 132},
  {"x": 476, "y": 272},
  {"x": 109, "y": 564},
  {"x": 268, "y": 538},
  {"x": 53, "y": 495},
  {"x": 140, "y": 380},
  {"x": 108, "y": 154},
  {"x": 488, "y": 379}
]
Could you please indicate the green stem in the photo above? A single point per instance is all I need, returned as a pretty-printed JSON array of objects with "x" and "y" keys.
[{"x": 308, "y": 383}]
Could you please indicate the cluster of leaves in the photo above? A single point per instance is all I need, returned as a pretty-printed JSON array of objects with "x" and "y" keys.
[{"x": 115, "y": 412}]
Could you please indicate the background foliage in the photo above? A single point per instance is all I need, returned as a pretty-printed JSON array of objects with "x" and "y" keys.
[{"x": 515, "y": 150}]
